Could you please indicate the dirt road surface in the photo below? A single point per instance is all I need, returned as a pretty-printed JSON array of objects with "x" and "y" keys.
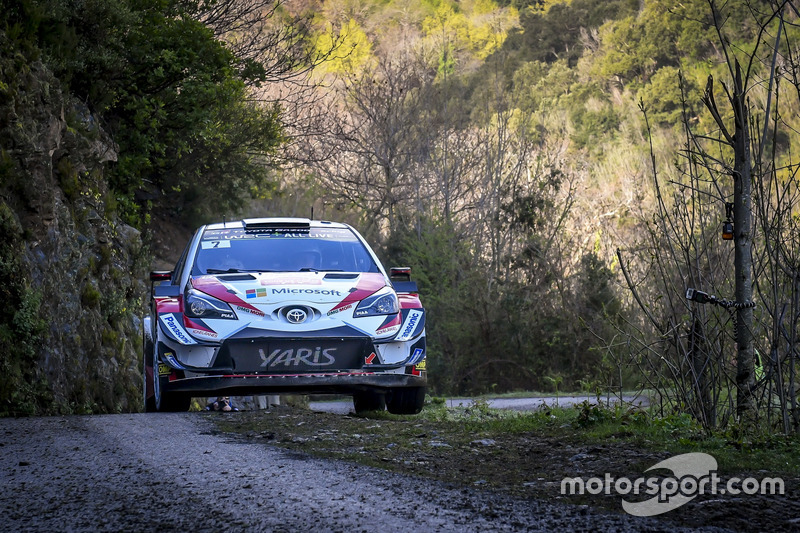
[{"x": 175, "y": 472}]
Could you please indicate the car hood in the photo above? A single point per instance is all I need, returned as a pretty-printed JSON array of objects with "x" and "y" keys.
[{"x": 330, "y": 291}]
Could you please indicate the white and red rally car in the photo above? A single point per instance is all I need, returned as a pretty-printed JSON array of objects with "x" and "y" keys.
[{"x": 284, "y": 305}]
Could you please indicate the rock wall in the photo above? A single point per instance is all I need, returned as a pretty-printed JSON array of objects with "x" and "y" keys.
[{"x": 74, "y": 256}]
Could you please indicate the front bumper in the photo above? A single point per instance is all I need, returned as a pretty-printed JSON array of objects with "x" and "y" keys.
[
  {"x": 248, "y": 384},
  {"x": 291, "y": 355}
]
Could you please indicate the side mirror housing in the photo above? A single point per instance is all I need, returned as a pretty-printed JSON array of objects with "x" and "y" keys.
[
  {"x": 400, "y": 273},
  {"x": 161, "y": 275}
]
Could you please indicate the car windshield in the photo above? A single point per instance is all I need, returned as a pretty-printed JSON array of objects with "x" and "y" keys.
[{"x": 316, "y": 249}]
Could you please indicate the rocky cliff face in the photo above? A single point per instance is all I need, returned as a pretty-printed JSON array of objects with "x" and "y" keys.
[{"x": 72, "y": 272}]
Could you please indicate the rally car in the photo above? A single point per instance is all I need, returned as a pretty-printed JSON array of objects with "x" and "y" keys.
[{"x": 283, "y": 305}]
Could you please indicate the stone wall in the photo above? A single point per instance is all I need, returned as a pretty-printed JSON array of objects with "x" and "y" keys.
[{"x": 86, "y": 265}]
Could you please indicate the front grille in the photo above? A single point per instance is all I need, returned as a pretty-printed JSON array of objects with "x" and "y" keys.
[{"x": 282, "y": 356}]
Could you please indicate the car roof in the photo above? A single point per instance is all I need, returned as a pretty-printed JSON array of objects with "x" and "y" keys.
[{"x": 277, "y": 222}]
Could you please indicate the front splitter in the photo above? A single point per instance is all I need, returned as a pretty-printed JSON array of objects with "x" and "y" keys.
[{"x": 250, "y": 384}]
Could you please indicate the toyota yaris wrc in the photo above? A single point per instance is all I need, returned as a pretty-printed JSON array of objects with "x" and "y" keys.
[{"x": 269, "y": 306}]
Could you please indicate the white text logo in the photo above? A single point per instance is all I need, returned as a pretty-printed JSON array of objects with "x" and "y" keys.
[{"x": 693, "y": 474}]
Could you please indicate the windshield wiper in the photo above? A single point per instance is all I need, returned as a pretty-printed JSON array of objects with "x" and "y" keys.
[
  {"x": 312, "y": 269},
  {"x": 233, "y": 270}
]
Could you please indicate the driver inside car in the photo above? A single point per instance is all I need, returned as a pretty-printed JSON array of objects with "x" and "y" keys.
[
  {"x": 226, "y": 264},
  {"x": 307, "y": 260}
]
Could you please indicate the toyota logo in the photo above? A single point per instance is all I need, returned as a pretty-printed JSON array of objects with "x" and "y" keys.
[{"x": 296, "y": 316}]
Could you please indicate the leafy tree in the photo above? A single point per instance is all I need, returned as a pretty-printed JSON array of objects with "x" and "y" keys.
[
  {"x": 454, "y": 294},
  {"x": 542, "y": 83},
  {"x": 556, "y": 33},
  {"x": 660, "y": 35},
  {"x": 591, "y": 125},
  {"x": 353, "y": 48},
  {"x": 461, "y": 36},
  {"x": 174, "y": 97},
  {"x": 182, "y": 117},
  {"x": 623, "y": 56},
  {"x": 663, "y": 96}
]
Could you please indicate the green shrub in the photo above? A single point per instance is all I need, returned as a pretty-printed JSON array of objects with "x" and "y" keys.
[
  {"x": 22, "y": 390},
  {"x": 90, "y": 296},
  {"x": 68, "y": 179}
]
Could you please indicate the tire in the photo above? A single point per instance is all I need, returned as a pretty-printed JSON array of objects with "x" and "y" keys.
[
  {"x": 166, "y": 401},
  {"x": 147, "y": 357},
  {"x": 368, "y": 401},
  {"x": 405, "y": 401}
]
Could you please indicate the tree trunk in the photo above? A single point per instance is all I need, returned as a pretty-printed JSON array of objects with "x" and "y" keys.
[
  {"x": 700, "y": 360},
  {"x": 743, "y": 259}
]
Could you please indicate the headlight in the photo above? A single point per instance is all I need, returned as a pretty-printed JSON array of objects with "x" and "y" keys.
[
  {"x": 201, "y": 305},
  {"x": 383, "y": 302}
]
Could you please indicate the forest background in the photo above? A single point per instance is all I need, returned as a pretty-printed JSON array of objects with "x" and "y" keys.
[{"x": 552, "y": 171}]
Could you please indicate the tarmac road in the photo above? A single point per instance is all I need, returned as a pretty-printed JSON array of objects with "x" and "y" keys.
[
  {"x": 517, "y": 404},
  {"x": 175, "y": 472}
]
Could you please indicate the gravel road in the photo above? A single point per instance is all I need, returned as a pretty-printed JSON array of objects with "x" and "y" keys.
[{"x": 175, "y": 472}]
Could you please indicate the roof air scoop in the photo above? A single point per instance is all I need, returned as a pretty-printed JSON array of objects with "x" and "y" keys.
[{"x": 273, "y": 224}]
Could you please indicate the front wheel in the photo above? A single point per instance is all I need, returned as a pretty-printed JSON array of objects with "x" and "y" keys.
[
  {"x": 164, "y": 400},
  {"x": 148, "y": 374},
  {"x": 368, "y": 401},
  {"x": 406, "y": 400}
]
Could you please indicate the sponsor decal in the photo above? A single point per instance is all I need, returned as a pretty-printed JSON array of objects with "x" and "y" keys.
[
  {"x": 287, "y": 234},
  {"x": 203, "y": 333},
  {"x": 422, "y": 365},
  {"x": 340, "y": 309},
  {"x": 164, "y": 370},
  {"x": 249, "y": 310},
  {"x": 326, "y": 292},
  {"x": 370, "y": 358},
  {"x": 291, "y": 280},
  {"x": 277, "y": 233},
  {"x": 410, "y": 324},
  {"x": 389, "y": 329},
  {"x": 294, "y": 357},
  {"x": 176, "y": 329},
  {"x": 256, "y": 293},
  {"x": 313, "y": 233},
  {"x": 215, "y": 244}
]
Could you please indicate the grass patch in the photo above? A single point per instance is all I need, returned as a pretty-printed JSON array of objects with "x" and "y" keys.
[
  {"x": 477, "y": 429},
  {"x": 734, "y": 450}
]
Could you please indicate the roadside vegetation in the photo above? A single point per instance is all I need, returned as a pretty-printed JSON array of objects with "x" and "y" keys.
[{"x": 559, "y": 192}]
